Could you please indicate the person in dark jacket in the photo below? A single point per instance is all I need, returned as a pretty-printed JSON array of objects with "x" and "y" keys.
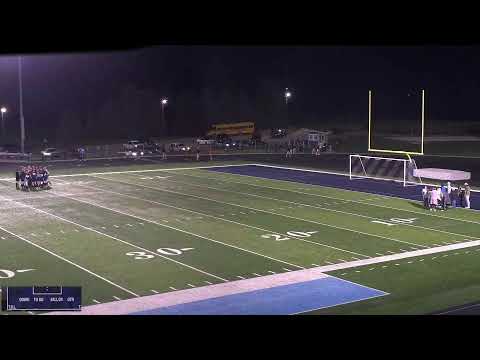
[
  {"x": 461, "y": 195},
  {"x": 455, "y": 197},
  {"x": 17, "y": 180}
]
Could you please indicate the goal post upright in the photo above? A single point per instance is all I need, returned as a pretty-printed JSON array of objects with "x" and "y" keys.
[{"x": 390, "y": 151}]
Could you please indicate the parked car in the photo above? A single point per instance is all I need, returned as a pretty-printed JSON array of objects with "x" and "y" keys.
[
  {"x": 133, "y": 144},
  {"x": 53, "y": 153},
  {"x": 134, "y": 153},
  {"x": 278, "y": 133},
  {"x": 151, "y": 147},
  {"x": 176, "y": 147},
  {"x": 205, "y": 141}
]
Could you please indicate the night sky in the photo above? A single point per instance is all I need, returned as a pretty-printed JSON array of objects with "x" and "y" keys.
[{"x": 210, "y": 84}]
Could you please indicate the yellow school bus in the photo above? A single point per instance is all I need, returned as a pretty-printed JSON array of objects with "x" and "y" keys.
[{"x": 240, "y": 128}]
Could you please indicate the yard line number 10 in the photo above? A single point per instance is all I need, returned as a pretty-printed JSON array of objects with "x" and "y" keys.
[{"x": 395, "y": 221}]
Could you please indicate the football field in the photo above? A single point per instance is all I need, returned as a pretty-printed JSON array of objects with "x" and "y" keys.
[{"x": 134, "y": 234}]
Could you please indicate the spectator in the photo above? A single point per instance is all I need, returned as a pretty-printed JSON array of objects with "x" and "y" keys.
[
  {"x": 467, "y": 196},
  {"x": 445, "y": 197},
  {"x": 454, "y": 196},
  {"x": 461, "y": 195},
  {"x": 433, "y": 199},
  {"x": 164, "y": 152},
  {"x": 425, "y": 197}
]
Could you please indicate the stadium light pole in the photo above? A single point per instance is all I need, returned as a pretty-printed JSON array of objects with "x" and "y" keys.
[
  {"x": 287, "y": 95},
  {"x": 164, "y": 103},
  {"x": 22, "y": 120},
  {"x": 3, "y": 110}
]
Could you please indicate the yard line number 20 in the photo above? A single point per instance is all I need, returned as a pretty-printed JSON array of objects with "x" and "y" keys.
[{"x": 294, "y": 234}]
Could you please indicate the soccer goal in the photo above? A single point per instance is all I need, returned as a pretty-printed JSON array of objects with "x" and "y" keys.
[{"x": 381, "y": 168}]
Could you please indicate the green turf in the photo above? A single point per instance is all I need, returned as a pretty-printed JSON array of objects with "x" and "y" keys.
[{"x": 123, "y": 227}]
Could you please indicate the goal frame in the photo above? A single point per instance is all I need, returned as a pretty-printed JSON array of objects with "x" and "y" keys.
[
  {"x": 405, "y": 161},
  {"x": 389, "y": 150}
]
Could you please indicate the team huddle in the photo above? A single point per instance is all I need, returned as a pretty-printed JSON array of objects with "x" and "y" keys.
[
  {"x": 446, "y": 196},
  {"x": 32, "y": 177}
]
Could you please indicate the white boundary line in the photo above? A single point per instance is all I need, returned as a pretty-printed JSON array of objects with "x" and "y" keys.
[
  {"x": 268, "y": 212},
  {"x": 69, "y": 261},
  {"x": 458, "y": 309},
  {"x": 135, "y": 171},
  {"x": 338, "y": 173}
]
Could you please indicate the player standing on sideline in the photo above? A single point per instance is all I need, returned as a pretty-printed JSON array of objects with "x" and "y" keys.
[
  {"x": 467, "y": 196},
  {"x": 164, "y": 153},
  {"x": 17, "y": 180},
  {"x": 461, "y": 195},
  {"x": 198, "y": 154},
  {"x": 425, "y": 197}
]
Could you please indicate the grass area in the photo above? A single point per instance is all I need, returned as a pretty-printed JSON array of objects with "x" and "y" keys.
[{"x": 138, "y": 233}]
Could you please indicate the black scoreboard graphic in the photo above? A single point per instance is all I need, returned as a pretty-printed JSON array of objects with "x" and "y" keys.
[{"x": 41, "y": 298}]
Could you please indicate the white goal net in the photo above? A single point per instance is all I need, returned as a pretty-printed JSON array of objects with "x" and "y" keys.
[{"x": 372, "y": 167}]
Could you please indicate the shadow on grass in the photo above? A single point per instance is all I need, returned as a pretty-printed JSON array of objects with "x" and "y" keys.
[{"x": 417, "y": 205}]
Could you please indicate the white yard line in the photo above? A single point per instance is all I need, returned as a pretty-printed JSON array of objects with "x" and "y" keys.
[
  {"x": 69, "y": 261},
  {"x": 325, "y": 196},
  {"x": 176, "y": 229},
  {"x": 364, "y": 202},
  {"x": 264, "y": 211},
  {"x": 116, "y": 239},
  {"x": 215, "y": 217},
  {"x": 320, "y": 207}
]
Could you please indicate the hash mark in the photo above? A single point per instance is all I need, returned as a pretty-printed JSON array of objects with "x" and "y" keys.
[
  {"x": 272, "y": 272},
  {"x": 191, "y": 285},
  {"x": 116, "y": 297},
  {"x": 154, "y": 291},
  {"x": 286, "y": 269},
  {"x": 256, "y": 274},
  {"x": 171, "y": 287},
  {"x": 208, "y": 282},
  {"x": 96, "y": 301},
  {"x": 241, "y": 277}
]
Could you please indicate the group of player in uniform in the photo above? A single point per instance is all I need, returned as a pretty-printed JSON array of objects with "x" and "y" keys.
[
  {"x": 446, "y": 196},
  {"x": 32, "y": 177}
]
